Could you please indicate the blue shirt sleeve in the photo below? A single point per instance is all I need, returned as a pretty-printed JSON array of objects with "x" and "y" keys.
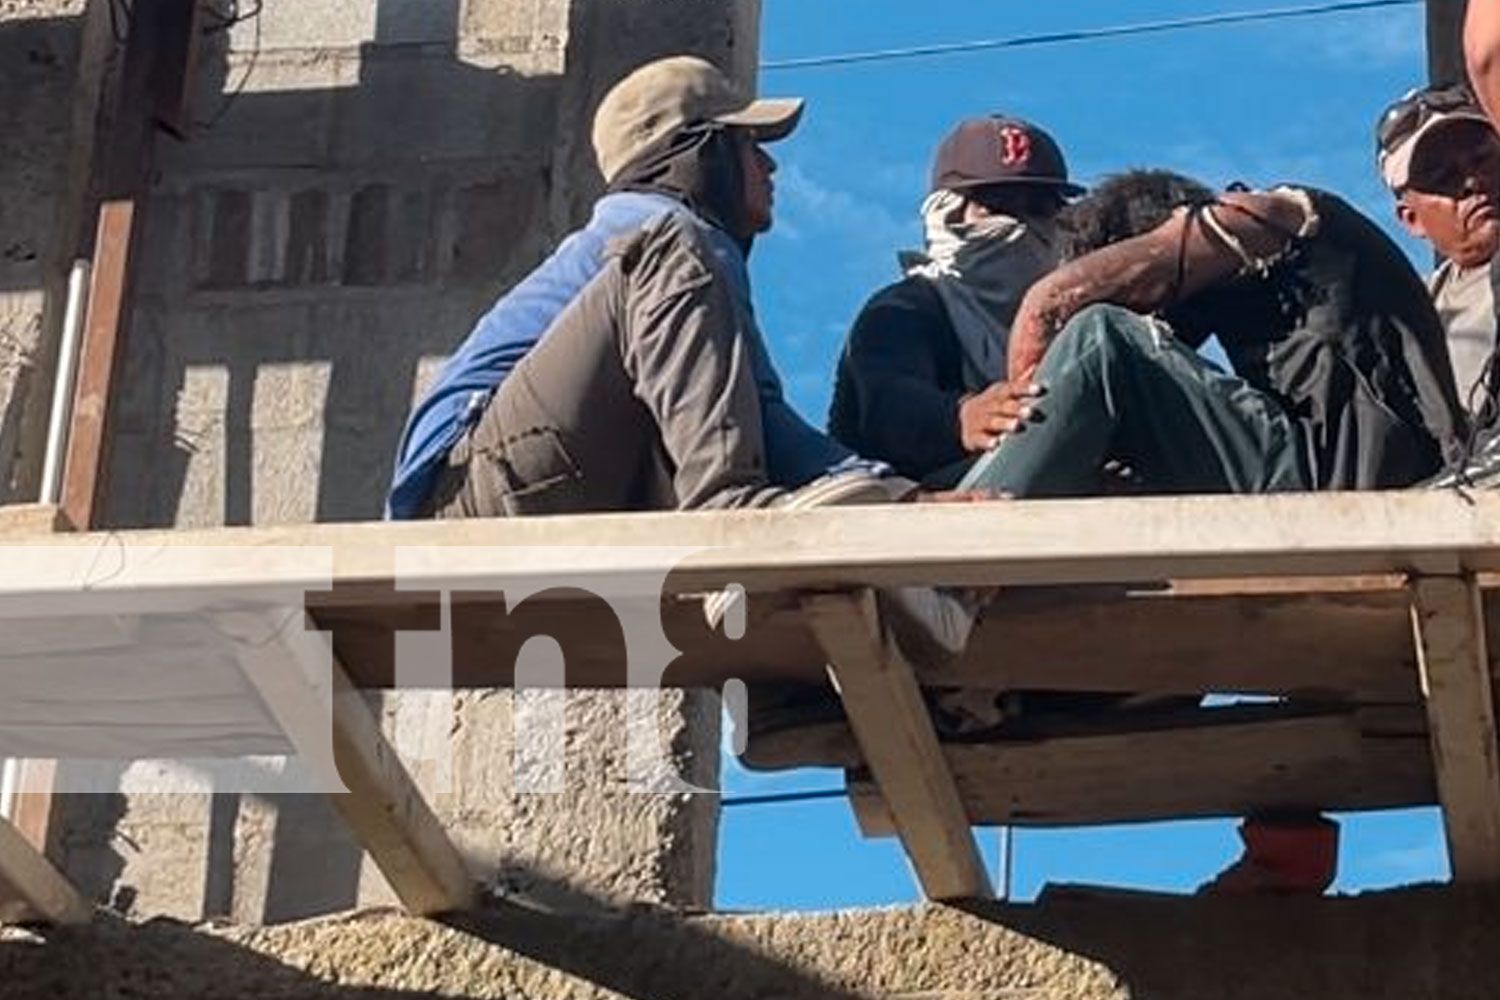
[{"x": 796, "y": 452}]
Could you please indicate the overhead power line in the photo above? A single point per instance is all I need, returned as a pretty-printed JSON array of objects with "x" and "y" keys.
[
  {"x": 781, "y": 798},
  {"x": 1085, "y": 34}
]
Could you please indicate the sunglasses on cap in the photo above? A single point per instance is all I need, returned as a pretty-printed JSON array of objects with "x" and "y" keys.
[{"x": 1411, "y": 112}]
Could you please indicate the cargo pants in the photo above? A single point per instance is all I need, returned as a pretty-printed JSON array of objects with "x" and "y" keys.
[{"x": 642, "y": 396}]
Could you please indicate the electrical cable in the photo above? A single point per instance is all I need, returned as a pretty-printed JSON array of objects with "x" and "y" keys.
[
  {"x": 782, "y": 798},
  {"x": 1083, "y": 34},
  {"x": 230, "y": 16}
]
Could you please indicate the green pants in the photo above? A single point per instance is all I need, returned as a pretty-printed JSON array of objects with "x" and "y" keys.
[{"x": 1119, "y": 386}]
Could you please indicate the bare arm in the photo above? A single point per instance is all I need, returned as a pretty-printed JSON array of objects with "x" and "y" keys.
[
  {"x": 1149, "y": 272},
  {"x": 1482, "y": 53}
]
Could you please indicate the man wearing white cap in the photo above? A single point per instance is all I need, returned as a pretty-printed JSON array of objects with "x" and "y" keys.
[
  {"x": 627, "y": 372},
  {"x": 1441, "y": 159}
]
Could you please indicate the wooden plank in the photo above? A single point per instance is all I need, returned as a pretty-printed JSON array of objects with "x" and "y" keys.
[
  {"x": 154, "y": 71},
  {"x": 1327, "y": 763},
  {"x": 26, "y": 519},
  {"x": 1002, "y": 544},
  {"x": 30, "y": 876},
  {"x": 128, "y": 689},
  {"x": 829, "y": 742},
  {"x": 31, "y": 808},
  {"x": 100, "y": 355},
  {"x": 1448, "y": 626},
  {"x": 382, "y": 804},
  {"x": 895, "y": 734},
  {"x": 159, "y": 30},
  {"x": 1256, "y": 586},
  {"x": 1155, "y": 644},
  {"x": 29, "y": 639},
  {"x": 1349, "y": 643}
]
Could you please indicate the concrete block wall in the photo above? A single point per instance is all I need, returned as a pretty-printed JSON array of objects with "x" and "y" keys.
[
  {"x": 1424, "y": 944},
  {"x": 364, "y": 178},
  {"x": 49, "y": 55}
]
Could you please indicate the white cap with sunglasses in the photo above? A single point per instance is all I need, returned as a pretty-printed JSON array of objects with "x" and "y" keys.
[{"x": 1413, "y": 118}]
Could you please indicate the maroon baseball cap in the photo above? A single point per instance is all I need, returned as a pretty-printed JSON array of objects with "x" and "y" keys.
[{"x": 1000, "y": 150}]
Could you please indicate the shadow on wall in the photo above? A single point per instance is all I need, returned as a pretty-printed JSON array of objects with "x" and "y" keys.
[
  {"x": 39, "y": 63},
  {"x": 636, "y": 953},
  {"x": 347, "y": 215},
  {"x": 1429, "y": 941},
  {"x": 304, "y": 250},
  {"x": 328, "y": 226},
  {"x": 1437, "y": 943}
]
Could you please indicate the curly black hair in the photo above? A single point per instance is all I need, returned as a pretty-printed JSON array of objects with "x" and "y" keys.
[{"x": 1127, "y": 204}]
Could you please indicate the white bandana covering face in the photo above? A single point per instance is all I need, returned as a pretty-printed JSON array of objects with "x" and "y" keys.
[{"x": 981, "y": 271}]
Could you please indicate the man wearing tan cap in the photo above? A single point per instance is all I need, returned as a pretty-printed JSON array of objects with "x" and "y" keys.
[
  {"x": 1440, "y": 157},
  {"x": 627, "y": 371}
]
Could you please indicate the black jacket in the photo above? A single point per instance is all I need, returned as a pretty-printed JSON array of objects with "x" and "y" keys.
[
  {"x": 900, "y": 379},
  {"x": 1341, "y": 330}
]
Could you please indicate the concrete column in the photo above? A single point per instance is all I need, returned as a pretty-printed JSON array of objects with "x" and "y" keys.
[
  {"x": 1445, "y": 45},
  {"x": 52, "y": 59},
  {"x": 366, "y": 177}
]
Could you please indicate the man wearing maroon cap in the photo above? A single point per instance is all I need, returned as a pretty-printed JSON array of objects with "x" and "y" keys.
[{"x": 922, "y": 380}]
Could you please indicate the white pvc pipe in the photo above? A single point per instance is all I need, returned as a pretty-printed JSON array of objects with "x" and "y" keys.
[
  {"x": 9, "y": 778},
  {"x": 62, "y": 390},
  {"x": 57, "y": 449}
]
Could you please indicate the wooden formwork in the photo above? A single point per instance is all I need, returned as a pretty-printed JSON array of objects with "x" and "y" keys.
[{"x": 1363, "y": 615}]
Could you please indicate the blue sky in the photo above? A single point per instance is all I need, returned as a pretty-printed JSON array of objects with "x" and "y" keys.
[{"x": 1285, "y": 101}]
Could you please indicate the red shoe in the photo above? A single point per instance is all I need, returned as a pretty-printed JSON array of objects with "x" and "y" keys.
[{"x": 1285, "y": 856}]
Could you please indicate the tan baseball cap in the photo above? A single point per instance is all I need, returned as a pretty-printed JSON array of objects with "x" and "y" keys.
[{"x": 663, "y": 96}]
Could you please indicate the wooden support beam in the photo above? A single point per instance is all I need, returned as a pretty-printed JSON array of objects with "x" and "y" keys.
[
  {"x": 32, "y": 807},
  {"x": 20, "y": 521},
  {"x": 382, "y": 805},
  {"x": 1449, "y": 630},
  {"x": 155, "y": 72},
  {"x": 1018, "y": 543},
  {"x": 1337, "y": 763},
  {"x": 1351, "y": 644},
  {"x": 156, "y": 68},
  {"x": 1354, "y": 643},
  {"x": 100, "y": 355},
  {"x": 895, "y": 734},
  {"x": 1445, "y": 49},
  {"x": 30, "y": 877}
]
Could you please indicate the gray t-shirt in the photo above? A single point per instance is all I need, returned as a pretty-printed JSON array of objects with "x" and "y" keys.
[{"x": 1466, "y": 305}]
